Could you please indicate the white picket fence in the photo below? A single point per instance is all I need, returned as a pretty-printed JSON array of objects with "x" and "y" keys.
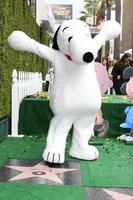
[{"x": 23, "y": 84}]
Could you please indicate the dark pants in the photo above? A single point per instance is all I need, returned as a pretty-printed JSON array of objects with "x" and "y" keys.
[{"x": 116, "y": 85}]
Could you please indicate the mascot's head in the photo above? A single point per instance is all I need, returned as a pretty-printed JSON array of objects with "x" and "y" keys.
[
  {"x": 127, "y": 88},
  {"x": 73, "y": 38}
]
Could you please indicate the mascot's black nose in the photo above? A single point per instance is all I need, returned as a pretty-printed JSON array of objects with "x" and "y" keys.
[{"x": 88, "y": 57}]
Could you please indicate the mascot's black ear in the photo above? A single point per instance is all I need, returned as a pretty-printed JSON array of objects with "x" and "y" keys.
[
  {"x": 123, "y": 88},
  {"x": 128, "y": 73},
  {"x": 55, "y": 45}
]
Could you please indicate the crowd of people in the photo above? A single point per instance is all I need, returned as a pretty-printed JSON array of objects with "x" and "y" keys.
[{"x": 115, "y": 71}]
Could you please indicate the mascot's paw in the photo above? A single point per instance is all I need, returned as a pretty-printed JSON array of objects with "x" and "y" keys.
[
  {"x": 18, "y": 40},
  {"x": 53, "y": 156},
  {"x": 89, "y": 153},
  {"x": 112, "y": 29}
]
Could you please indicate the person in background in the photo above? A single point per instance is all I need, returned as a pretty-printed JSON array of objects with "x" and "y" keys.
[
  {"x": 114, "y": 61},
  {"x": 101, "y": 125},
  {"x": 104, "y": 62},
  {"x": 109, "y": 70},
  {"x": 117, "y": 72}
]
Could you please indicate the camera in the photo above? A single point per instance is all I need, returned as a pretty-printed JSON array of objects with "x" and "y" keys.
[{"x": 131, "y": 63}]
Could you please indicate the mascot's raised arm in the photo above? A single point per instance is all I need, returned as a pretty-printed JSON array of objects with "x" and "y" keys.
[{"x": 75, "y": 95}]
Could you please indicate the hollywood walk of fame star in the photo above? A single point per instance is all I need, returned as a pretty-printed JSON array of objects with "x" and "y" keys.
[
  {"x": 118, "y": 196},
  {"x": 109, "y": 193},
  {"x": 40, "y": 170}
]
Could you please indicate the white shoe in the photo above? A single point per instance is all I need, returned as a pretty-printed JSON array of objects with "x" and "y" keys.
[
  {"x": 123, "y": 137},
  {"x": 129, "y": 138}
]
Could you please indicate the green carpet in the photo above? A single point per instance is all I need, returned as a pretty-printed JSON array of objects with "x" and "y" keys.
[
  {"x": 19, "y": 191},
  {"x": 113, "y": 169}
]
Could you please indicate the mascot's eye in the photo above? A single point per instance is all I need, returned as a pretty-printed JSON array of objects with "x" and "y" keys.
[
  {"x": 65, "y": 28},
  {"x": 69, "y": 39}
]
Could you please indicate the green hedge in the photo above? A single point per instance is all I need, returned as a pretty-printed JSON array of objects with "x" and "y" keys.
[{"x": 17, "y": 15}]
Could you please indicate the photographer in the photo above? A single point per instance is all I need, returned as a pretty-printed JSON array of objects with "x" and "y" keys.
[{"x": 118, "y": 70}]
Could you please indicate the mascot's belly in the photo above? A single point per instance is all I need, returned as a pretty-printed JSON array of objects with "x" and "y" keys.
[
  {"x": 75, "y": 89},
  {"x": 76, "y": 99}
]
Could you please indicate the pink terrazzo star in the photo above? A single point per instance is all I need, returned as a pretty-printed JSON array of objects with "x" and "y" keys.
[
  {"x": 40, "y": 170},
  {"x": 118, "y": 196}
]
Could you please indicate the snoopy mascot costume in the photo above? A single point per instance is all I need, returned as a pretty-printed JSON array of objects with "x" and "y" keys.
[{"x": 75, "y": 95}]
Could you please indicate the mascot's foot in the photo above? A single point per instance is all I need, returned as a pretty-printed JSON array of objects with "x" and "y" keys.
[
  {"x": 53, "y": 156},
  {"x": 90, "y": 153}
]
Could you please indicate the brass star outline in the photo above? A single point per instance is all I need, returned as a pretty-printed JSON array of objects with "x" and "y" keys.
[{"x": 39, "y": 170}]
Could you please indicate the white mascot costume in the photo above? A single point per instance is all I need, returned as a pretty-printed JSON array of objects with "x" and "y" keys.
[{"x": 75, "y": 96}]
